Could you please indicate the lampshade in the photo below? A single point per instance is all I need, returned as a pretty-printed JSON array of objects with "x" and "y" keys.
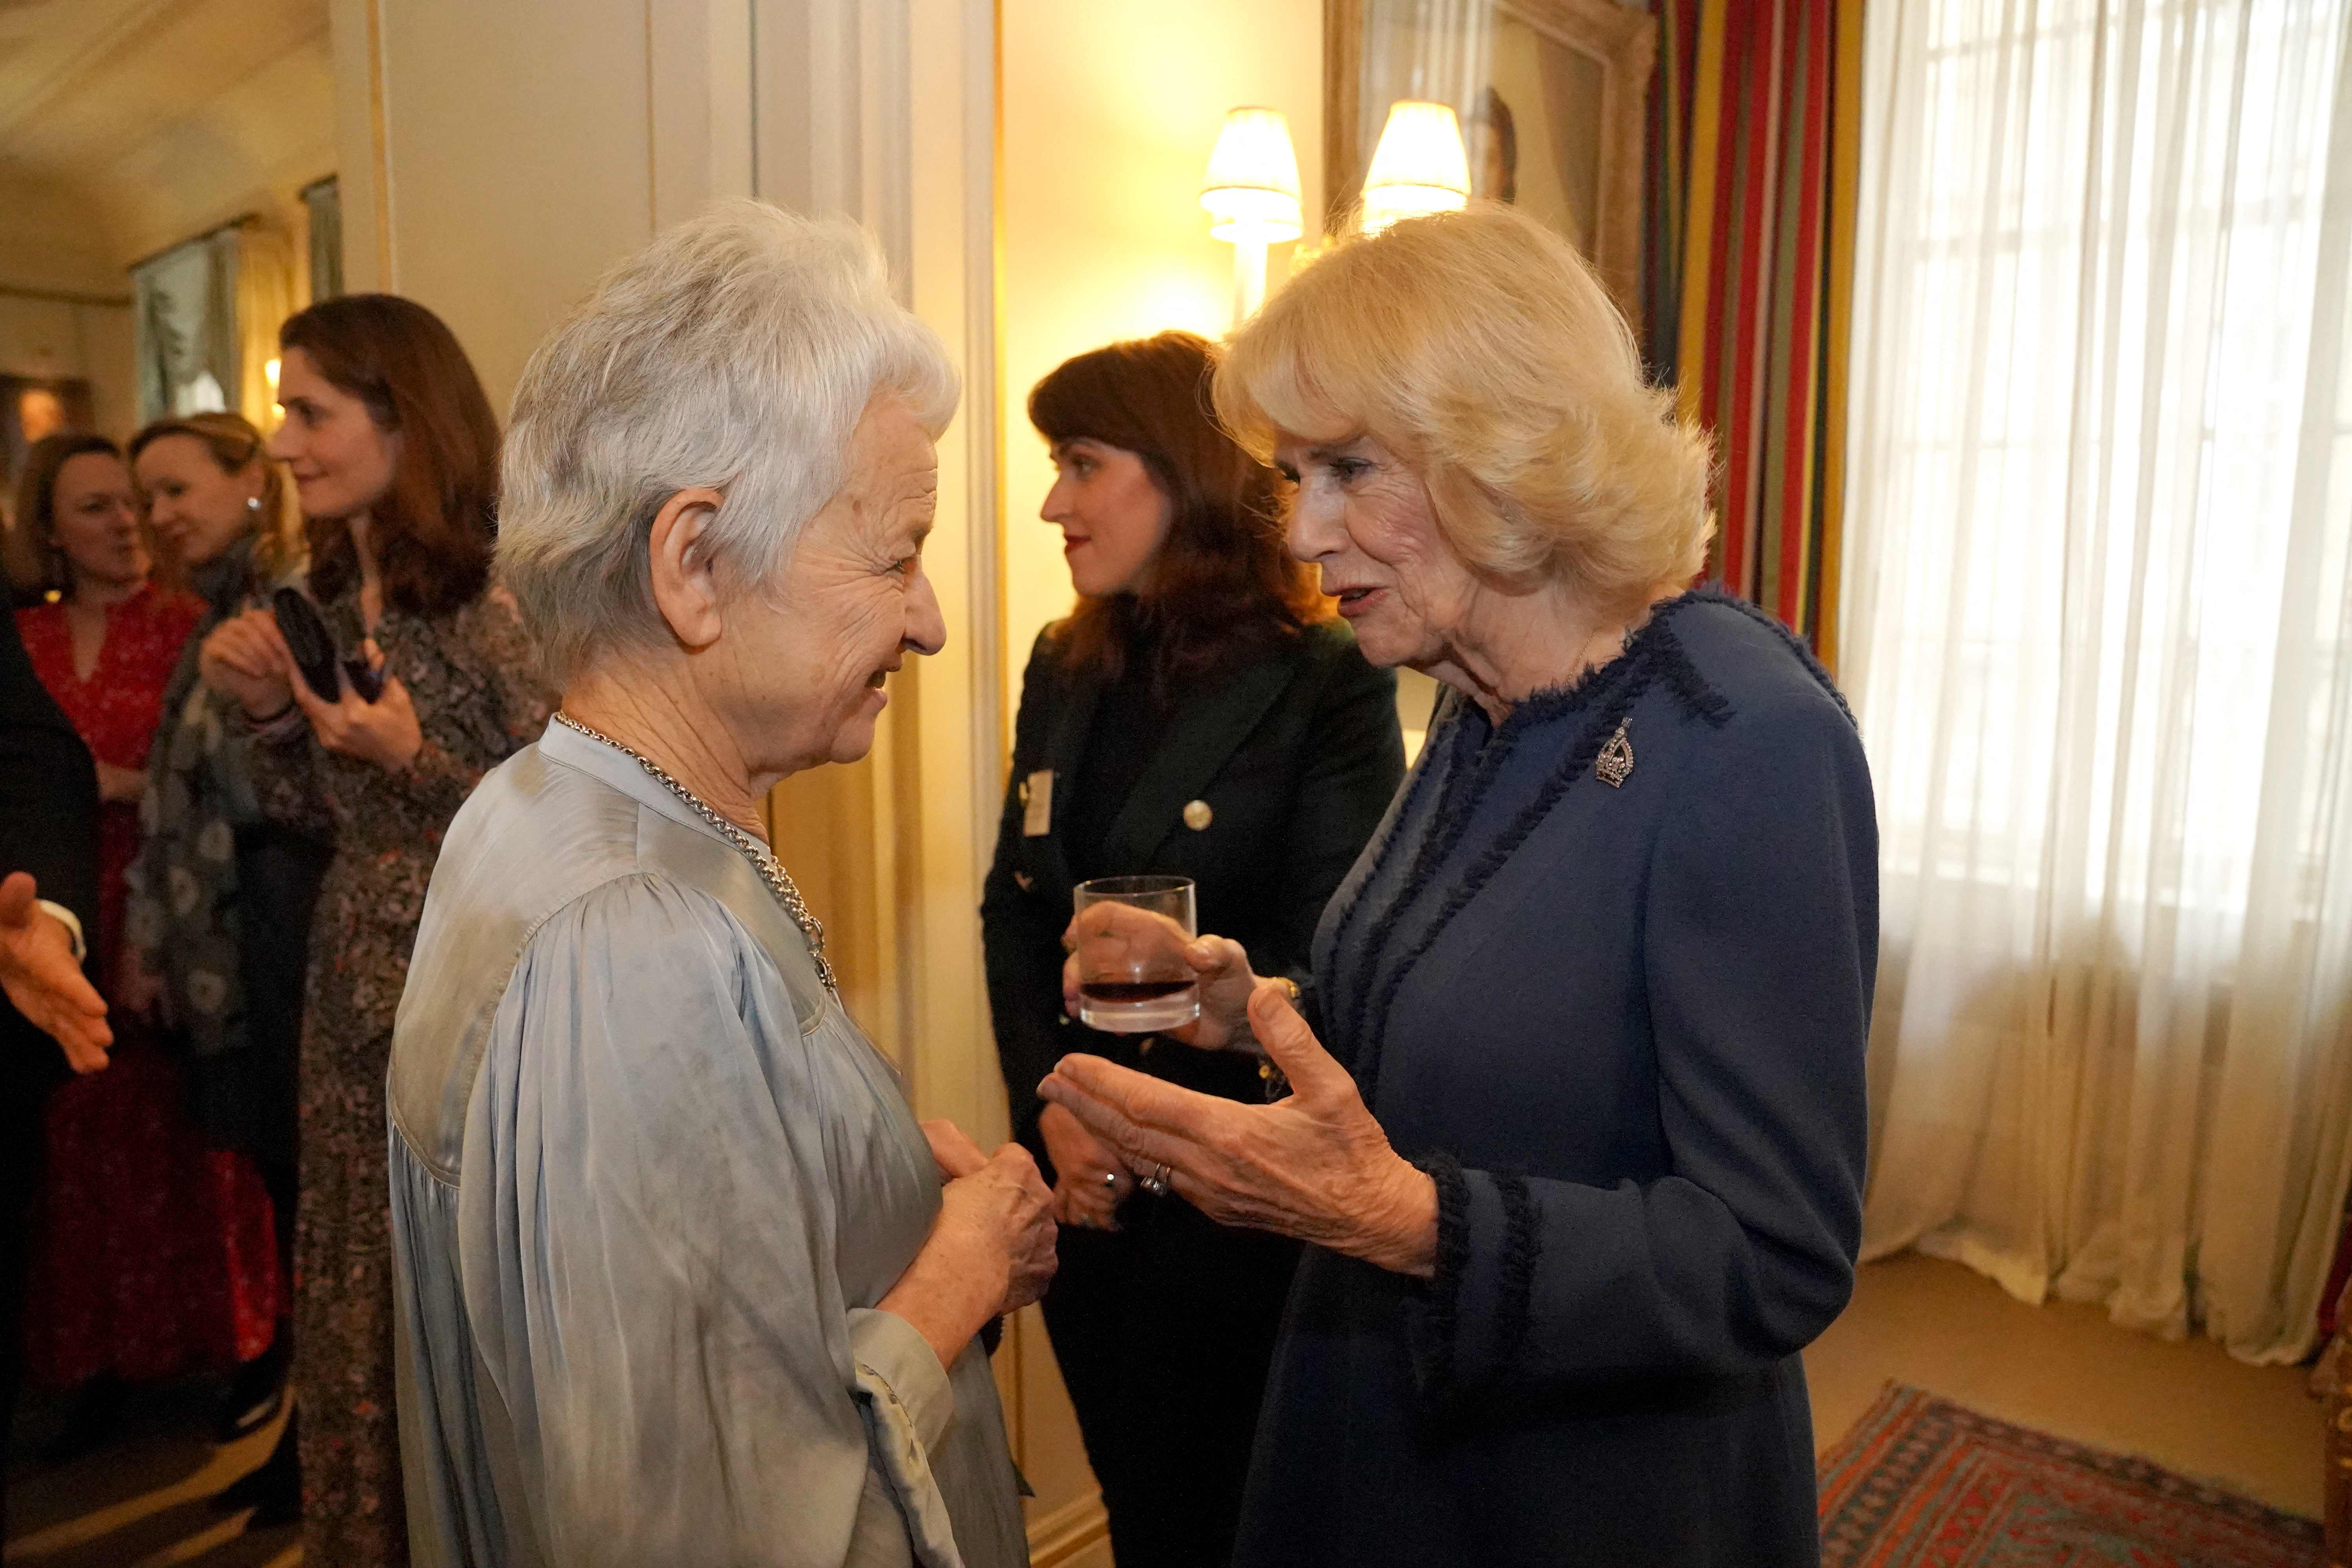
[
  {"x": 1252, "y": 186},
  {"x": 1419, "y": 167}
]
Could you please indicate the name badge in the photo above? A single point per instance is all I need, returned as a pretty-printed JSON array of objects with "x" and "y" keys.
[{"x": 1037, "y": 794}]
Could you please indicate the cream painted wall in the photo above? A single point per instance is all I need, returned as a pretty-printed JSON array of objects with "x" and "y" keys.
[
  {"x": 517, "y": 162},
  {"x": 42, "y": 338},
  {"x": 55, "y": 238},
  {"x": 1110, "y": 112}
]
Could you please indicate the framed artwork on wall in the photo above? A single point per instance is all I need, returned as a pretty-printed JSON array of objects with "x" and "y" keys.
[
  {"x": 34, "y": 406},
  {"x": 1552, "y": 97}
]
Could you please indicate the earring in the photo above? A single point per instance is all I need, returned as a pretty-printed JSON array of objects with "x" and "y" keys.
[{"x": 253, "y": 505}]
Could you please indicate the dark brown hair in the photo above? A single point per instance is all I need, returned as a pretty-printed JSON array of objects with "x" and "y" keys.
[
  {"x": 434, "y": 531},
  {"x": 35, "y": 564},
  {"x": 233, "y": 445},
  {"x": 1222, "y": 588}
]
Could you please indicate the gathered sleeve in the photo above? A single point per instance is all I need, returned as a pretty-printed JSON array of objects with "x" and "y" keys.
[
  {"x": 1759, "y": 933},
  {"x": 648, "y": 1232}
]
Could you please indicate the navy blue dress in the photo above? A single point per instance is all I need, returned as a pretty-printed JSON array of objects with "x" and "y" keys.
[{"x": 1622, "y": 1026}]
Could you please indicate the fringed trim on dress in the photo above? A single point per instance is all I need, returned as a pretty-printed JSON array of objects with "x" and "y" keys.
[
  {"x": 1434, "y": 848},
  {"x": 1418, "y": 784},
  {"x": 1796, "y": 645},
  {"x": 1651, "y": 653},
  {"x": 1433, "y": 1357},
  {"x": 1522, "y": 1241}
]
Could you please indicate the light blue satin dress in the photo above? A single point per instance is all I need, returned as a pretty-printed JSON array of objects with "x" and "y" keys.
[{"x": 648, "y": 1180}]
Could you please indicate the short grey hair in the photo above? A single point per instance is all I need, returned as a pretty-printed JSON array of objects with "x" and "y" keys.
[{"x": 737, "y": 352}]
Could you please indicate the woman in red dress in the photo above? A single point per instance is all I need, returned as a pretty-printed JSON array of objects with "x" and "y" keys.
[{"x": 147, "y": 1267}]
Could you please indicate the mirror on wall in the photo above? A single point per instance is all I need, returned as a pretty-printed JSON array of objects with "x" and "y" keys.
[
  {"x": 1552, "y": 96},
  {"x": 167, "y": 177}
]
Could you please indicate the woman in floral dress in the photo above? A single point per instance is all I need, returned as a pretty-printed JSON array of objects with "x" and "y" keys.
[
  {"x": 393, "y": 453},
  {"x": 151, "y": 1260}
]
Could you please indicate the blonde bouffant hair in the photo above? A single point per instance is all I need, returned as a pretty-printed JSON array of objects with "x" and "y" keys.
[{"x": 1479, "y": 348}]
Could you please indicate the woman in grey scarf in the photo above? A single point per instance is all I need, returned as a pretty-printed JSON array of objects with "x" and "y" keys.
[{"x": 218, "y": 915}]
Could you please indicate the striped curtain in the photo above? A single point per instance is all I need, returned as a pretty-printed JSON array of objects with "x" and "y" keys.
[{"x": 1754, "y": 139}]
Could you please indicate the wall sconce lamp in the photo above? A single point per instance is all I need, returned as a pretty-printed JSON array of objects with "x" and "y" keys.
[
  {"x": 1251, "y": 193},
  {"x": 1417, "y": 167}
]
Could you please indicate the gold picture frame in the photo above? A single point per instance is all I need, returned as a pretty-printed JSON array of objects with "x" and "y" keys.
[{"x": 1582, "y": 70}]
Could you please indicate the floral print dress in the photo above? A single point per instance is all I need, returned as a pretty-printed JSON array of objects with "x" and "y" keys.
[{"x": 478, "y": 701}]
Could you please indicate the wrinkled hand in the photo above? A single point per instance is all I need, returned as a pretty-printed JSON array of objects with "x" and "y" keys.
[
  {"x": 990, "y": 1249},
  {"x": 38, "y": 972},
  {"x": 383, "y": 731},
  {"x": 952, "y": 1150},
  {"x": 1090, "y": 1183},
  {"x": 245, "y": 660},
  {"x": 1010, "y": 1213},
  {"x": 1103, "y": 935},
  {"x": 1315, "y": 1166}
]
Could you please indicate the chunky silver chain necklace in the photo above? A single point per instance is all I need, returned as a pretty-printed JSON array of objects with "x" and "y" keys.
[{"x": 770, "y": 869}]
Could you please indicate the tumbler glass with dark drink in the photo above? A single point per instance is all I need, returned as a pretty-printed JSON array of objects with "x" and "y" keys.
[{"x": 1132, "y": 978}]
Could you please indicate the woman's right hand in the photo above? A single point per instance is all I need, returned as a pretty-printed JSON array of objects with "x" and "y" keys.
[
  {"x": 990, "y": 1249},
  {"x": 1220, "y": 964},
  {"x": 1088, "y": 1180},
  {"x": 245, "y": 659}
]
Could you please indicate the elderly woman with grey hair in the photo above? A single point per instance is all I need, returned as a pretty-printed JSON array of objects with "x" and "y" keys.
[{"x": 681, "y": 1280}]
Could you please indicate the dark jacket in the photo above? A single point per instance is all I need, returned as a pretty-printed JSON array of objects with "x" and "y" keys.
[
  {"x": 1622, "y": 1027},
  {"x": 1295, "y": 758},
  {"x": 49, "y": 827}
]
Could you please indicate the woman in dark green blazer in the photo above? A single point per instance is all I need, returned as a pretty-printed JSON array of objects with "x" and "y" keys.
[{"x": 1200, "y": 713}]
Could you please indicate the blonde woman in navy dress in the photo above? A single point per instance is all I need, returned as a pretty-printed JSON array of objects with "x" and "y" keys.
[{"x": 1577, "y": 1140}]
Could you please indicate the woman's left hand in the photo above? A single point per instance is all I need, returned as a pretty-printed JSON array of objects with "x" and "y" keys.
[
  {"x": 1315, "y": 1166},
  {"x": 383, "y": 731}
]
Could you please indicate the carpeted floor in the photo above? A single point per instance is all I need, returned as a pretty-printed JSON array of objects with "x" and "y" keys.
[{"x": 1920, "y": 1482}]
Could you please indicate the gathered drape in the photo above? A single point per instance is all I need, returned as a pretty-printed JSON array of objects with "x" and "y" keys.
[
  {"x": 1755, "y": 120},
  {"x": 264, "y": 298},
  {"x": 2099, "y": 594},
  {"x": 206, "y": 320},
  {"x": 184, "y": 326}
]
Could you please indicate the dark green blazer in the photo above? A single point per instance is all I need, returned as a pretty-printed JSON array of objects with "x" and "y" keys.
[{"x": 1294, "y": 759}]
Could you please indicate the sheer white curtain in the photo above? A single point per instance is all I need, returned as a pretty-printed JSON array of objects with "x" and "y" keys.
[{"x": 2099, "y": 601}]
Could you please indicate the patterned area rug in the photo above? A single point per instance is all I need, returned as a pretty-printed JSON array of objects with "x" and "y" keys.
[{"x": 1924, "y": 1483}]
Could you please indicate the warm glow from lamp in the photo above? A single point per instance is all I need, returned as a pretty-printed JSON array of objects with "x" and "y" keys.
[
  {"x": 1253, "y": 185},
  {"x": 269, "y": 373},
  {"x": 1419, "y": 167},
  {"x": 1252, "y": 193}
]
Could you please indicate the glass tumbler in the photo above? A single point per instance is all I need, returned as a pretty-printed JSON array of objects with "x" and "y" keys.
[{"x": 1132, "y": 933}]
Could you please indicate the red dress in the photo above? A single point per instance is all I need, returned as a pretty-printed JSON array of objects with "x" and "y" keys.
[{"x": 157, "y": 1255}]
